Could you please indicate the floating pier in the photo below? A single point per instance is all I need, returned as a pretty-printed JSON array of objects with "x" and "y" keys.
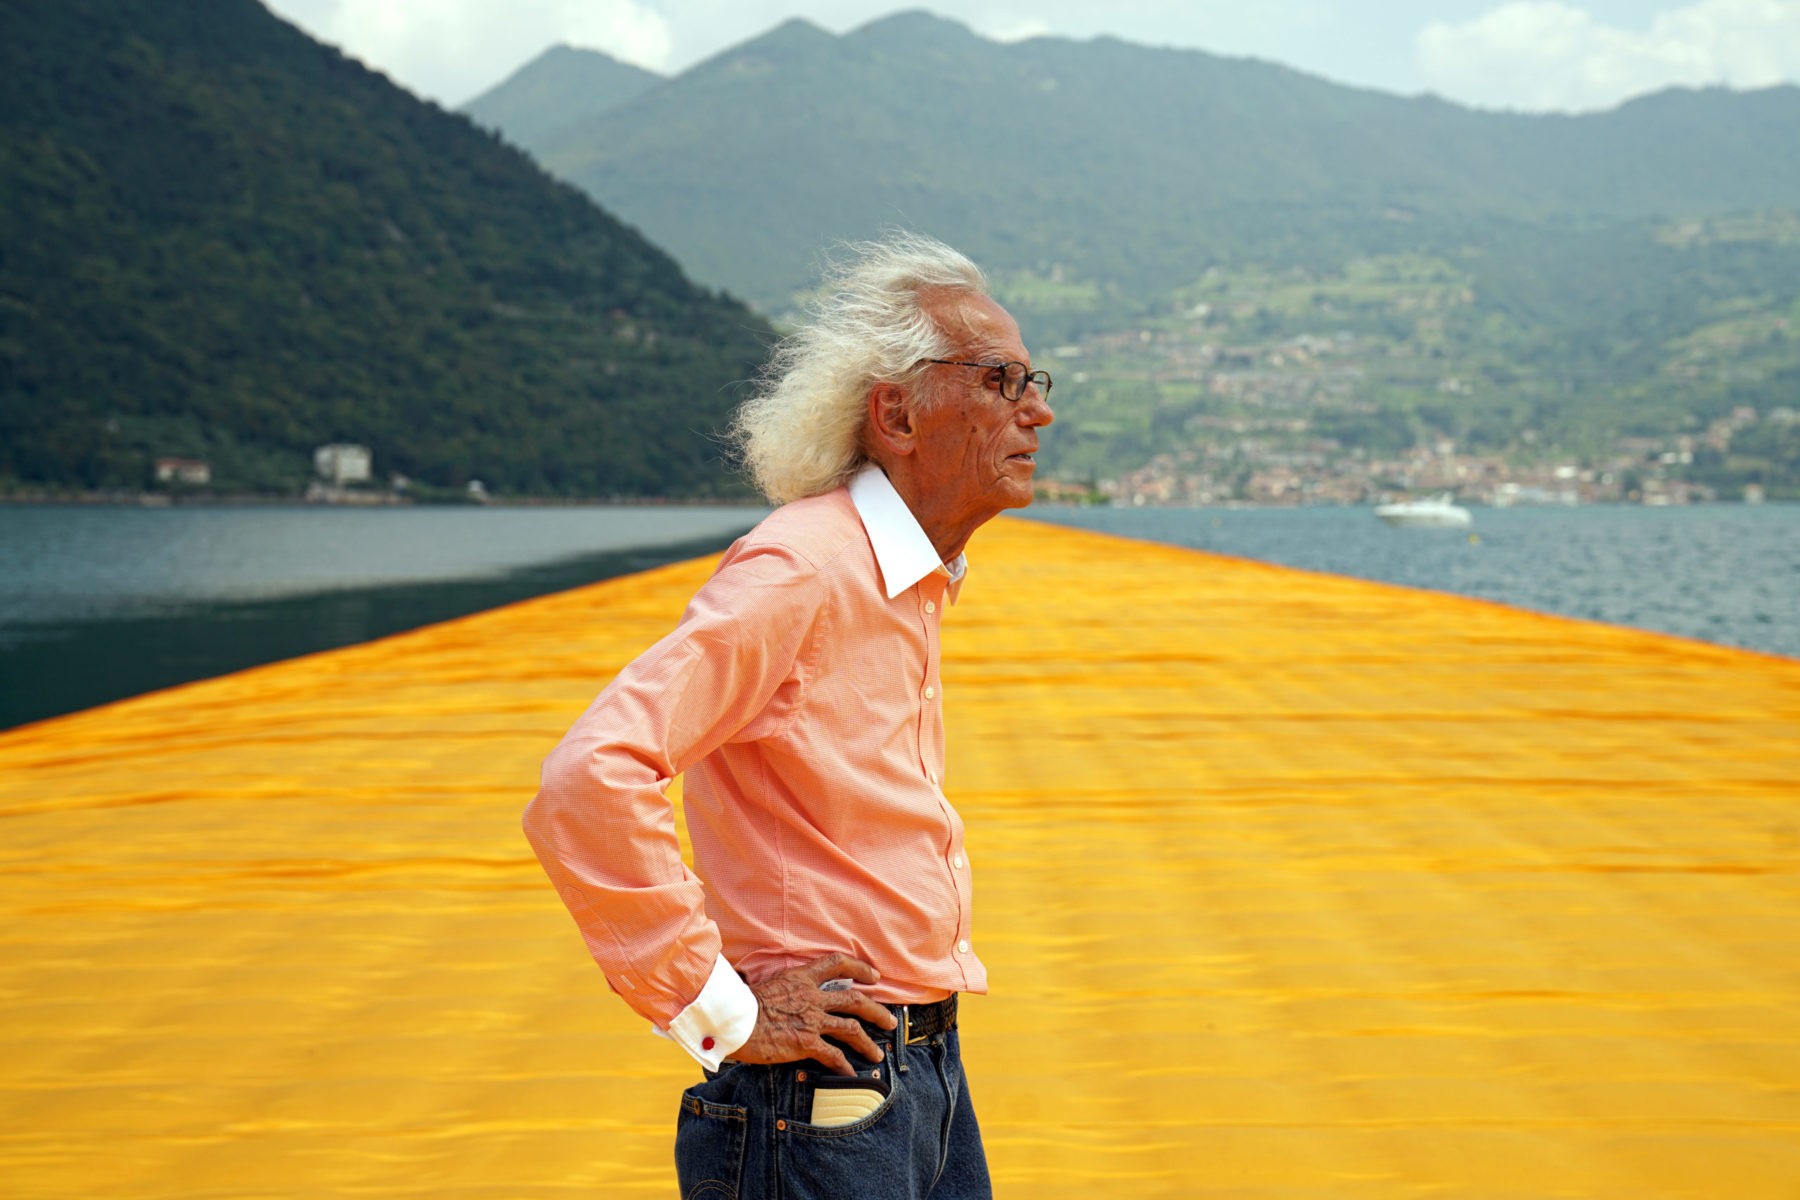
[{"x": 1288, "y": 885}]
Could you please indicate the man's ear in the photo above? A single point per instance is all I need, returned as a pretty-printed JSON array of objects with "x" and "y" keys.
[{"x": 891, "y": 419}]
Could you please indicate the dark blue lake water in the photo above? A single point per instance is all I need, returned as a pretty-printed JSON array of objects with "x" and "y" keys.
[{"x": 99, "y": 603}]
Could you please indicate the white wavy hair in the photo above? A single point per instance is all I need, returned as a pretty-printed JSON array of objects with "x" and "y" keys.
[{"x": 801, "y": 433}]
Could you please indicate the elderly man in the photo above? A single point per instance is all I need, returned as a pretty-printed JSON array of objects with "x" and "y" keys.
[{"x": 813, "y": 962}]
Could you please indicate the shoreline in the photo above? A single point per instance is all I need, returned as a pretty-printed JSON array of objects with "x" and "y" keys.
[
  {"x": 126, "y": 499},
  {"x": 353, "y": 498}
]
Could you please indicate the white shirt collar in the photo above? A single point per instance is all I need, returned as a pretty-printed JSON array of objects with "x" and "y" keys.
[{"x": 902, "y": 551}]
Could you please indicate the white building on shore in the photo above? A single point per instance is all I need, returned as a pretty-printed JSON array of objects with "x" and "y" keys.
[{"x": 342, "y": 463}]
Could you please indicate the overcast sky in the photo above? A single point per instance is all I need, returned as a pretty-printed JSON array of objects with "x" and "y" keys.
[{"x": 1534, "y": 55}]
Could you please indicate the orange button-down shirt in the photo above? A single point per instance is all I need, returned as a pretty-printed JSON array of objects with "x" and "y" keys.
[{"x": 800, "y": 694}]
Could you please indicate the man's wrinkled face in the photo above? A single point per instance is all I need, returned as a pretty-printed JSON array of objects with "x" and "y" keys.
[{"x": 975, "y": 448}]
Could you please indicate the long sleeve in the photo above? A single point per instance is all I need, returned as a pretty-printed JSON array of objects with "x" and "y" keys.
[{"x": 602, "y": 824}]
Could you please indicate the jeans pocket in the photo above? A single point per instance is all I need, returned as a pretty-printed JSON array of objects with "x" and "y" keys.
[
  {"x": 709, "y": 1147},
  {"x": 865, "y": 1158},
  {"x": 816, "y": 1102}
]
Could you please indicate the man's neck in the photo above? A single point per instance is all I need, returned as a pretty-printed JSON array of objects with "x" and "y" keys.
[{"x": 949, "y": 532}]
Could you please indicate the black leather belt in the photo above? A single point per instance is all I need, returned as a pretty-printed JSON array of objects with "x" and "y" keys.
[{"x": 919, "y": 1022}]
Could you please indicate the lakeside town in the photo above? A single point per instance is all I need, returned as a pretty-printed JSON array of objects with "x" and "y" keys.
[
  {"x": 1255, "y": 463},
  {"x": 1195, "y": 408}
]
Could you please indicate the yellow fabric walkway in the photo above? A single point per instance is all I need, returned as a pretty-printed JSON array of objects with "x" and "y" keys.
[{"x": 1290, "y": 886}]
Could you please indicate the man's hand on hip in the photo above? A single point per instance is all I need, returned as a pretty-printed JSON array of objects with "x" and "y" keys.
[{"x": 794, "y": 1015}]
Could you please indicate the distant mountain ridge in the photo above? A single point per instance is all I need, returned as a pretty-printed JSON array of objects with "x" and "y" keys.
[
  {"x": 562, "y": 87},
  {"x": 223, "y": 241},
  {"x": 1131, "y": 164},
  {"x": 1238, "y": 267}
]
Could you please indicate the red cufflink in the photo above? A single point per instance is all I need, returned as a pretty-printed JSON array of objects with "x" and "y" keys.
[{"x": 706, "y": 1043}]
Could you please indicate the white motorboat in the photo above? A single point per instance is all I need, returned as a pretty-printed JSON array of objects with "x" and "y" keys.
[{"x": 1433, "y": 512}]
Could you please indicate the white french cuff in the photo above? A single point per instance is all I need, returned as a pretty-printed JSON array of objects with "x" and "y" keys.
[{"x": 721, "y": 1018}]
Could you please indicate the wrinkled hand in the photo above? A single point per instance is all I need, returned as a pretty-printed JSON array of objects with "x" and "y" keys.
[{"x": 793, "y": 1016}]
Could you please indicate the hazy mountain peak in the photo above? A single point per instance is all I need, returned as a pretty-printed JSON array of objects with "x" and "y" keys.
[
  {"x": 914, "y": 25},
  {"x": 570, "y": 60},
  {"x": 562, "y": 87},
  {"x": 795, "y": 31},
  {"x": 562, "y": 52},
  {"x": 794, "y": 40}
]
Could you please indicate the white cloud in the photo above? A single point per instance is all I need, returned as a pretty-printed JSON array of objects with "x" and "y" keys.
[
  {"x": 1015, "y": 31},
  {"x": 1543, "y": 55},
  {"x": 447, "y": 49}
]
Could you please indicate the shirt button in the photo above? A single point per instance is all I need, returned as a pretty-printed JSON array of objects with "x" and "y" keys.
[
  {"x": 930, "y": 691},
  {"x": 706, "y": 1043},
  {"x": 933, "y": 775},
  {"x": 962, "y": 947},
  {"x": 930, "y": 607},
  {"x": 957, "y": 862}
]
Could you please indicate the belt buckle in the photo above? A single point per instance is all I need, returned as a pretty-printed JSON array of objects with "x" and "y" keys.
[{"x": 906, "y": 1037}]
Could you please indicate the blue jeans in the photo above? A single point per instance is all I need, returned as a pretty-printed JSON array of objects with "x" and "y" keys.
[{"x": 741, "y": 1135}]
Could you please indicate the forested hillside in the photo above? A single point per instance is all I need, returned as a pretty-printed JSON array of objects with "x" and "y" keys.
[{"x": 221, "y": 240}]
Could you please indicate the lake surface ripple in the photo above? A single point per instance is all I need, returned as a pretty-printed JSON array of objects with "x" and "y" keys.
[{"x": 1722, "y": 573}]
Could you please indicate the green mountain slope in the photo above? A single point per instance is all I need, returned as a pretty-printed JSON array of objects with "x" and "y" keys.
[
  {"x": 1193, "y": 229},
  {"x": 222, "y": 240},
  {"x": 560, "y": 89},
  {"x": 1133, "y": 166}
]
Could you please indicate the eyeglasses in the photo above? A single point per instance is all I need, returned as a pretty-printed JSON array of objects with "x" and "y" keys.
[{"x": 1014, "y": 377}]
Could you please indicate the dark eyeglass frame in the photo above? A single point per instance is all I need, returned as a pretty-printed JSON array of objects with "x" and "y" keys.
[{"x": 1008, "y": 388}]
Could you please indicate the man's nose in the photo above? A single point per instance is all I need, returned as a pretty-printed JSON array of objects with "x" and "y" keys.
[{"x": 1034, "y": 409}]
